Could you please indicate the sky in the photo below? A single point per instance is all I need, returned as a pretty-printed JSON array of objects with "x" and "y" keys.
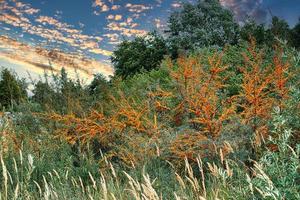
[{"x": 80, "y": 35}]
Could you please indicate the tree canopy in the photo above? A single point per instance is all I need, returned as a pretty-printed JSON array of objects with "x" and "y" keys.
[
  {"x": 295, "y": 36},
  {"x": 12, "y": 90},
  {"x": 204, "y": 24},
  {"x": 141, "y": 54}
]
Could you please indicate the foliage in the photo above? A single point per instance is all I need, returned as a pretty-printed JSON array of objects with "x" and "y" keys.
[
  {"x": 219, "y": 122},
  {"x": 99, "y": 87},
  {"x": 141, "y": 54},
  {"x": 256, "y": 102},
  {"x": 278, "y": 172},
  {"x": 25, "y": 174},
  {"x": 182, "y": 109},
  {"x": 257, "y": 31},
  {"x": 200, "y": 93},
  {"x": 204, "y": 24},
  {"x": 280, "y": 28},
  {"x": 61, "y": 94},
  {"x": 295, "y": 35},
  {"x": 43, "y": 94},
  {"x": 12, "y": 89}
]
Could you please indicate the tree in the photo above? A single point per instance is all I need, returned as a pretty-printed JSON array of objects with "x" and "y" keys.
[
  {"x": 12, "y": 90},
  {"x": 263, "y": 35},
  {"x": 99, "y": 89},
  {"x": 43, "y": 94},
  {"x": 68, "y": 96},
  {"x": 199, "y": 88},
  {"x": 143, "y": 53},
  {"x": 280, "y": 29},
  {"x": 253, "y": 30},
  {"x": 295, "y": 36},
  {"x": 72, "y": 94},
  {"x": 204, "y": 24}
]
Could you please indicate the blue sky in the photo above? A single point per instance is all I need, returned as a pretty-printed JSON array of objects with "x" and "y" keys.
[{"x": 83, "y": 33}]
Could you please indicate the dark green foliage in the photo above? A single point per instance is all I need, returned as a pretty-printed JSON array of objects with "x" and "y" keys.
[
  {"x": 99, "y": 92},
  {"x": 205, "y": 24},
  {"x": 295, "y": 36},
  {"x": 69, "y": 93},
  {"x": 141, "y": 84},
  {"x": 99, "y": 87},
  {"x": 12, "y": 89},
  {"x": 280, "y": 28},
  {"x": 61, "y": 94},
  {"x": 43, "y": 94},
  {"x": 141, "y": 54},
  {"x": 257, "y": 31}
]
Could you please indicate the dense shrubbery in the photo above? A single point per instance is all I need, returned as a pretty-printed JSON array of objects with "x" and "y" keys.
[
  {"x": 215, "y": 122},
  {"x": 200, "y": 106}
]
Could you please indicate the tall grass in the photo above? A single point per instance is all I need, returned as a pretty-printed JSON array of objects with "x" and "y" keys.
[{"x": 274, "y": 176}]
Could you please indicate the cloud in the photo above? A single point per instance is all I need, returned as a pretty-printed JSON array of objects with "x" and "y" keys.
[
  {"x": 114, "y": 17},
  {"x": 176, "y": 4},
  {"x": 101, "y": 4},
  {"x": 104, "y": 8},
  {"x": 101, "y": 51},
  {"x": 26, "y": 8},
  {"x": 39, "y": 59},
  {"x": 244, "y": 8},
  {"x": 6, "y": 28},
  {"x": 118, "y": 17},
  {"x": 31, "y": 11},
  {"x": 126, "y": 28},
  {"x": 115, "y": 7},
  {"x": 137, "y": 8},
  {"x": 51, "y": 21},
  {"x": 159, "y": 2},
  {"x": 81, "y": 25},
  {"x": 113, "y": 38},
  {"x": 46, "y": 67},
  {"x": 50, "y": 29},
  {"x": 158, "y": 23}
]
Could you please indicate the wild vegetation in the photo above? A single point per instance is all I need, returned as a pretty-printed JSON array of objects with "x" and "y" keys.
[{"x": 216, "y": 118}]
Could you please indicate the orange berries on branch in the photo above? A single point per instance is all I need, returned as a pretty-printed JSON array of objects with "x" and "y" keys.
[
  {"x": 281, "y": 76},
  {"x": 261, "y": 84},
  {"x": 72, "y": 128},
  {"x": 199, "y": 87}
]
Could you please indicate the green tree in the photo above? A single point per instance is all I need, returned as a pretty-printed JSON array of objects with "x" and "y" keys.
[
  {"x": 43, "y": 94},
  {"x": 141, "y": 54},
  {"x": 295, "y": 36},
  {"x": 206, "y": 23},
  {"x": 99, "y": 88},
  {"x": 280, "y": 28},
  {"x": 12, "y": 89},
  {"x": 257, "y": 31},
  {"x": 71, "y": 93},
  {"x": 66, "y": 95}
]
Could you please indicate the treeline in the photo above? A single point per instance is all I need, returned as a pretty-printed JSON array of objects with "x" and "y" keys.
[{"x": 203, "y": 25}]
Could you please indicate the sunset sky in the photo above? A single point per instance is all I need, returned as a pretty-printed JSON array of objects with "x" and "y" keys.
[{"x": 37, "y": 35}]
